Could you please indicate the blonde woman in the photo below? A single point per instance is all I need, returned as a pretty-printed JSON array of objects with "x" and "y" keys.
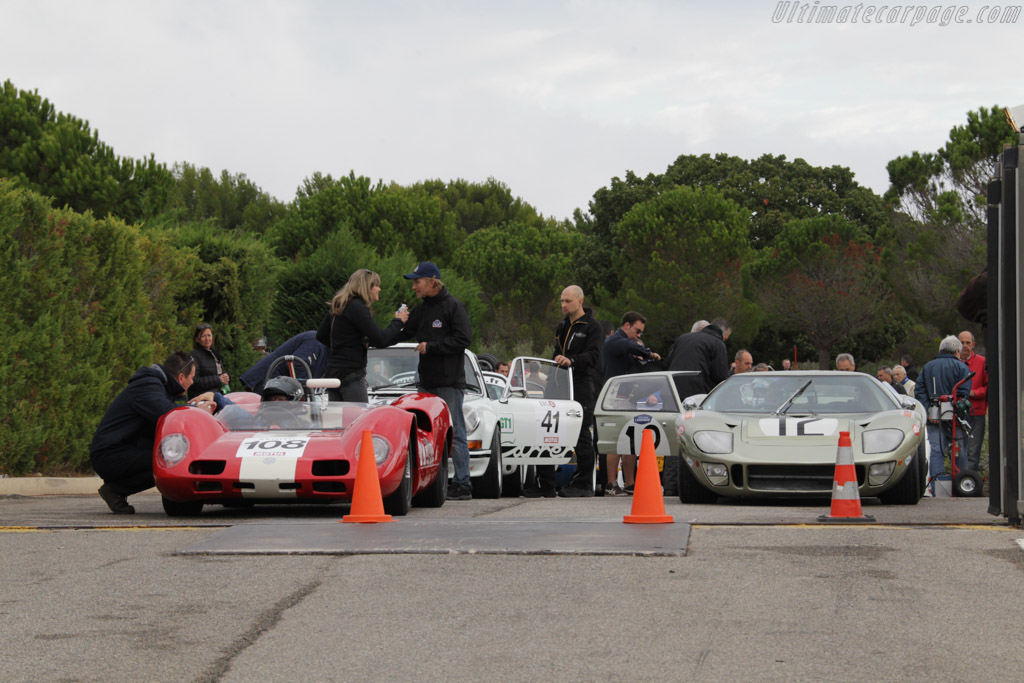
[{"x": 347, "y": 329}]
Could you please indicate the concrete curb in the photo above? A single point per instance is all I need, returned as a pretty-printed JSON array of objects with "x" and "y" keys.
[{"x": 50, "y": 486}]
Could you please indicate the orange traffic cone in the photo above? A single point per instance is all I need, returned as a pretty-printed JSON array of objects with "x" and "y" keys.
[
  {"x": 845, "y": 490},
  {"x": 648, "y": 502},
  {"x": 367, "y": 502}
]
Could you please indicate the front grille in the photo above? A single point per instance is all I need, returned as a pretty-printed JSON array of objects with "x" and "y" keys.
[
  {"x": 208, "y": 486},
  {"x": 208, "y": 467},
  {"x": 795, "y": 478},
  {"x": 328, "y": 487},
  {"x": 330, "y": 468}
]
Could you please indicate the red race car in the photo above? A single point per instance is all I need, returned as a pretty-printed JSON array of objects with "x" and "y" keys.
[{"x": 301, "y": 451}]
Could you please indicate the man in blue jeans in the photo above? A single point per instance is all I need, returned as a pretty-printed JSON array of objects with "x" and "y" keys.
[
  {"x": 937, "y": 378},
  {"x": 441, "y": 326}
]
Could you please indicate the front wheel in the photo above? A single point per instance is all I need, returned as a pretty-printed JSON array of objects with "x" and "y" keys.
[
  {"x": 488, "y": 485},
  {"x": 512, "y": 483},
  {"x": 399, "y": 502},
  {"x": 188, "y": 508},
  {"x": 691, "y": 490},
  {"x": 435, "y": 494}
]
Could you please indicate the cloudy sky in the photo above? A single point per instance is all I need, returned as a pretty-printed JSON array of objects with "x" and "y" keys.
[{"x": 552, "y": 98}]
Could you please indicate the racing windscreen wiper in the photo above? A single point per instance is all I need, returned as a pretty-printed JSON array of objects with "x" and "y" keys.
[{"x": 789, "y": 401}]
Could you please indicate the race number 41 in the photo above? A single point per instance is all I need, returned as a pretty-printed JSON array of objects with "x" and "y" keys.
[{"x": 549, "y": 425}]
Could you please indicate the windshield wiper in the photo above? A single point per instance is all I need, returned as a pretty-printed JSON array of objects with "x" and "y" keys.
[
  {"x": 400, "y": 385},
  {"x": 789, "y": 401}
]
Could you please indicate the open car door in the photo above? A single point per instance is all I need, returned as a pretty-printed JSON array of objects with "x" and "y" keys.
[{"x": 540, "y": 421}]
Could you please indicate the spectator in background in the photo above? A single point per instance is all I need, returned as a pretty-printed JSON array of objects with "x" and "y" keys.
[
  {"x": 899, "y": 375},
  {"x": 503, "y": 368},
  {"x": 762, "y": 367},
  {"x": 937, "y": 378},
  {"x": 845, "y": 363},
  {"x": 622, "y": 354},
  {"x": 884, "y": 374},
  {"x": 908, "y": 365},
  {"x": 210, "y": 372},
  {"x": 704, "y": 352},
  {"x": 786, "y": 365},
  {"x": 347, "y": 328},
  {"x": 744, "y": 362},
  {"x": 978, "y": 396},
  {"x": 699, "y": 325},
  {"x": 303, "y": 346}
]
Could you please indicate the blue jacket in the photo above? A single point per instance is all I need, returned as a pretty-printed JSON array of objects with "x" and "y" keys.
[
  {"x": 304, "y": 345},
  {"x": 938, "y": 376}
]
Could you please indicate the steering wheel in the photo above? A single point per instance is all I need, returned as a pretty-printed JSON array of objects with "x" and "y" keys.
[{"x": 291, "y": 368}]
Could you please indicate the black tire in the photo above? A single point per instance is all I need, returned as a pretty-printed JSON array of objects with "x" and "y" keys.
[
  {"x": 189, "y": 508},
  {"x": 905, "y": 491},
  {"x": 512, "y": 483},
  {"x": 967, "y": 484},
  {"x": 691, "y": 490},
  {"x": 436, "y": 494},
  {"x": 488, "y": 362},
  {"x": 399, "y": 502},
  {"x": 488, "y": 485},
  {"x": 922, "y": 468}
]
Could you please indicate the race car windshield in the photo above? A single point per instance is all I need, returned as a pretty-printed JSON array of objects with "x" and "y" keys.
[
  {"x": 763, "y": 392},
  {"x": 290, "y": 415}
]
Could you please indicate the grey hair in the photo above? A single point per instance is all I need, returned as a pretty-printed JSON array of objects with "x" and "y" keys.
[
  {"x": 847, "y": 357},
  {"x": 950, "y": 345},
  {"x": 699, "y": 325}
]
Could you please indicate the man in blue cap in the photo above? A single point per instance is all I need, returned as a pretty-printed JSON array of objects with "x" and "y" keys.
[{"x": 441, "y": 326}]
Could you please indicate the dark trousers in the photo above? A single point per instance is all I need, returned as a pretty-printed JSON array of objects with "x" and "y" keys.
[
  {"x": 125, "y": 471},
  {"x": 586, "y": 454}
]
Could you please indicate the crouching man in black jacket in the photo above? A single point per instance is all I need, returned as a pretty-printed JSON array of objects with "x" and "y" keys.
[
  {"x": 122, "y": 447},
  {"x": 441, "y": 326}
]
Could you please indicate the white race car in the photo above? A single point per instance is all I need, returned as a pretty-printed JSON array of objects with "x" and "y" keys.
[{"x": 531, "y": 422}]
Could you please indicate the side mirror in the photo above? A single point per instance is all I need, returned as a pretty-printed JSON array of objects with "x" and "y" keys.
[
  {"x": 693, "y": 402},
  {"x": 908, "y": 403}
]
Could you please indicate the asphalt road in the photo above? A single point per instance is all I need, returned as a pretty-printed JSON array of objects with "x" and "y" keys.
[{"x": 931, "y": 592}]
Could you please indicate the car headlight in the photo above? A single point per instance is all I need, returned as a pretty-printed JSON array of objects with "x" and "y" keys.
[
  {"x": 881, "y": 440},
  {"x": 879, "y": 472},
  {"x": 472, "y": 418},
  {"x": 713, "y": 442},
  {"x": 381, "y": 449},
  {"x": 173, "y": 449},
  {"x": 716, "y": 472}
]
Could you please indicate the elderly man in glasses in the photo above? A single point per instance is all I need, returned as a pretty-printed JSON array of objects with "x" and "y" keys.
[{"x": 122, "y": 447}]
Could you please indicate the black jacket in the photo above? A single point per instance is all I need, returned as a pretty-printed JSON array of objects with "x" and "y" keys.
[
  {"x": 303, "y": 345},
  {"x": 703, "y": 351},
  {"x": 441, "y": 321},
  {"x": 580, "y": 341},
  {"x": 621, "y": 355},
  {"x": 130, "y": 421},
  {"x": 207, "y": 378},
  {"x": 347, "y": 334}
]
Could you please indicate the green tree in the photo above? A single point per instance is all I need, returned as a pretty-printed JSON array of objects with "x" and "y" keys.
[
  {"x": 58, "y": 155},
  {"x": 233, "y": 202},
  {"x": 823, "y": 278},
  {"x": 480, "y": 205},
  {"x": 680, "y": 255},
  {"x": 937, "y": 240},
  {"x": 230, "y": 288},
  {"x": 82, "y": 301},
  {"x": 521, "y": 268}
]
